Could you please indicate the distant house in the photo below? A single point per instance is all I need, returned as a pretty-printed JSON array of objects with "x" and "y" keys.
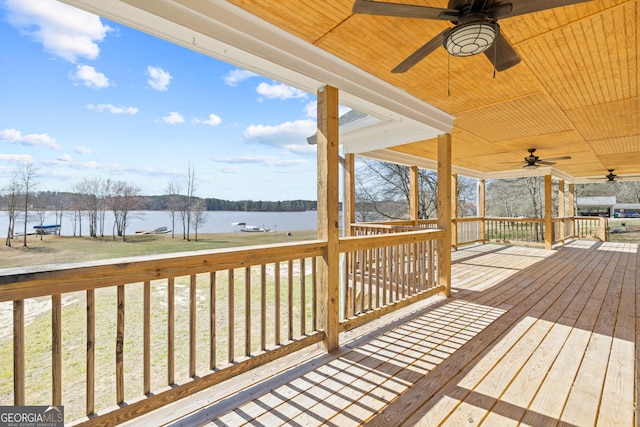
[{"x": 607, "y": 207}]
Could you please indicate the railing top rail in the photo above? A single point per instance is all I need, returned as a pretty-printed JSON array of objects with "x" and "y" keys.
[
  {"x": 509, "y": 219},
  {"x": 29, "y": 282},
  {"x": 354, "y": 243}
]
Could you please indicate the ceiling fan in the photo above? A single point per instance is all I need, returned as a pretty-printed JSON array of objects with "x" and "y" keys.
[
  {"x": 475, "y": 27},
  {"x": 611, "y": 177},
  {"x": 532, "y": 161}
]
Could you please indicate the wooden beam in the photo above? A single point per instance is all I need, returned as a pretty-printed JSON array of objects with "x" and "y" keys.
[
  {"x": 328, "y": 226},
  {"x": 482, "y": 207},
  {"x": 454, "y": 211},
  {"x": 349, "y": 193},
  {"x": 548, "y": 213},
  {"x": 444, "y": 212},
  {"x": 414, "y": 214}
]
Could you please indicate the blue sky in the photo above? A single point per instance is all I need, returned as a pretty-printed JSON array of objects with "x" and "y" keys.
[{"x": 82, "y": 96}]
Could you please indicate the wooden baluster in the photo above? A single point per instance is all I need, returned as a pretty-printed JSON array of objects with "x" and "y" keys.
[
  {"x": 91, "y": 348},
  {"x": 303, "y": 298},
  {"x": 231, "y": 319},
  {"x": 146, "y": 338},
  {"x": 120, "y": 347},
  {"x": 314, "y": 293},
  {"x": 56, "y": 349},
  {"x": 171, "y": 342},
  {"x": 290, "y": 300},
  {"x": 263, "y": 307},
  {"x": 192, "y": 326},
  {"x": 247, "y": 311},
  {"x": 212, "y": 320},
  {"x": 18, "y": 353},
  {"x": 277, "y": 303}
]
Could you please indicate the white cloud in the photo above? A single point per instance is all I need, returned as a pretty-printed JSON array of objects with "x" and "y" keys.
[
  {"x": 158, "y": 78},
  {"x": 212, "y": 120},
  {"x": 81, "y": 149},
  {"x": 63, "y": 30},
  {"x": 260, "y": 159},
  {"x": 113, "y": 109},
  {"x": 289, "y": 135},
  {"x": 32, "y": 139},
  {"x": 90, "y": 77},
  {"x": 173, "y": 118},
  {"x": 230, "y": 170},
  {"x": 65, "y": 158},
  {"x": 16, "y": 158},
  {"x": 236, "y": 76},
  {"x": 279, "y": 91}
]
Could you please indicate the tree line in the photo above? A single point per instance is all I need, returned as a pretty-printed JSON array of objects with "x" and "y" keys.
[{"x": 91, "y": 199}]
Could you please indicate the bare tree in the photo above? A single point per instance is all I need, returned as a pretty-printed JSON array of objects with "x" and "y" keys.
[
  {"x": 384, "y": 190},
  {"x": 13, "y": 191},
  {"x": 28, "y": 178},
  {"x": 173, "y": 202},
  {"x": 192, "y": 186},
  {"x": 91, "y": 189},
  {"x": 105, "y": 188},
  {"x": 59, "y": 206},
  {"x": 123, "y": 200},
  {"x": 41, "y": 215},
  {"x": 199, "y": 216}
]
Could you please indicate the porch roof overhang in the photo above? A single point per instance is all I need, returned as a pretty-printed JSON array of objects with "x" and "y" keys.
[{"x": 574, "y": 93}]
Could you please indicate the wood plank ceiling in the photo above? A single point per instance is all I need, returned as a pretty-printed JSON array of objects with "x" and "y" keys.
[{"x": 574, "y": 93}]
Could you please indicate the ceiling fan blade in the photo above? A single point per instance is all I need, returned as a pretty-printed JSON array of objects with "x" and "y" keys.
[
  {"x": 369, "y": 7},
  {"x": 423, "y": 51},
  {"x": 502, "y": 55},
  {"x": 520, "y": 7},
  {"x": 559, "y": 158},
  {"x": 545, "y": 162}
]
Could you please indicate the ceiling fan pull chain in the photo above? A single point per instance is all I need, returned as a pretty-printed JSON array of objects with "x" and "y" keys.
[
  {"x": 448, "y": 75},
  {"x": 495, "y": 55}
]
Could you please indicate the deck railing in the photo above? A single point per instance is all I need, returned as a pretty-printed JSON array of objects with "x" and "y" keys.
[
  {"x": 469, "y": 230},
  {"x": 385, "y": 271},
  {"x": 139, "y": 333},
  {"x": 178, "y": 324}
]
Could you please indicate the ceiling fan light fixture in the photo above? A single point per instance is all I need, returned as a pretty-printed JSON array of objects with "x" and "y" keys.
[
  {"x": 471, "y": 37},
  {"x": 531, "y": 167}
]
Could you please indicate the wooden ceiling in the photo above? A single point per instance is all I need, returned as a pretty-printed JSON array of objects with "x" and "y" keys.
[{"x": 574, "y": 93}]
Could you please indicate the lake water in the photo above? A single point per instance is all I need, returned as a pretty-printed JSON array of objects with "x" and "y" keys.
[{"x": 217, "y": 222}]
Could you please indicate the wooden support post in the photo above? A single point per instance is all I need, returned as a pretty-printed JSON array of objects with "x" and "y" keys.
[
  {"x": 482, "y": 207},
  {"x": 572, "y": 209},
  {"x": 561, "y": 210},
  {"x": 454, "y": 211},
  {"x": 548, "y": 213},
  {"x": 444, "y": 212},
  {"x": 414, "y": 214},
  {"x": 328, "y": 226},
  {"x": 349, "y": 193}
]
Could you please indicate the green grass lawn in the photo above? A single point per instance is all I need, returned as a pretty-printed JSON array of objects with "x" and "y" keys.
[{"x": 67, "y": 249}]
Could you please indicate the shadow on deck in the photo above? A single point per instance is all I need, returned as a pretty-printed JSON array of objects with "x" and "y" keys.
[{"x": 529, "y": 336}]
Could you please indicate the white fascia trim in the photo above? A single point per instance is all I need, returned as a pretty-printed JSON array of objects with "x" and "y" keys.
[
  {"x": 382, "y": 135},
  {"x": 226, "y": 32},
  {"x": 392, "y": 156}
]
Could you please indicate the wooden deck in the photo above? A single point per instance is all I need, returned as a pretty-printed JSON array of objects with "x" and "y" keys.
[{"x": 529, "y": 337}]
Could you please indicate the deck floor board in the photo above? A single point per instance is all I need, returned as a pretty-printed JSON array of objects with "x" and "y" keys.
[{"x": 529, "y": 337}]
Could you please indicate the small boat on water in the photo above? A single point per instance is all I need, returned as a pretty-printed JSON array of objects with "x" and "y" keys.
[
  {"x": 159, "y": 230},
  {"x": 47, "y": 229},
  {"x": 242, "y": 226}
]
